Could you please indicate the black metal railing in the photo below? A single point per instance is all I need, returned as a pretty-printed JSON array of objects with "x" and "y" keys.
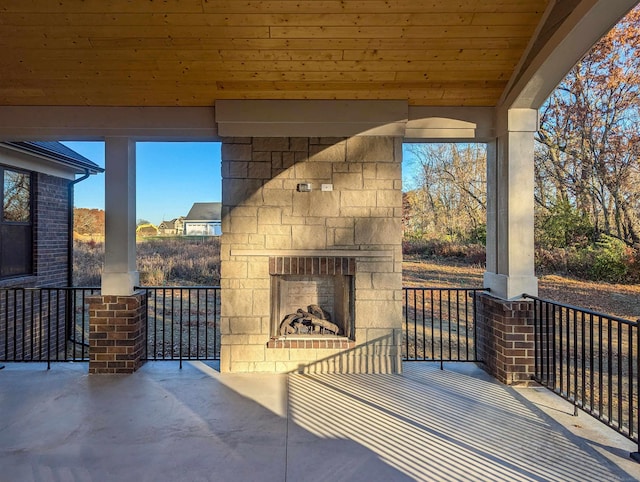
[
  {"x": 183, "y": 322},
  {"x": 440, "y": 324},
  {"x": 44, "y": 324},
  {"x": 589, "y": 359}
]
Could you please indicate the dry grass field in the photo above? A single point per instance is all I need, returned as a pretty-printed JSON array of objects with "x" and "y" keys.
[{"x": 612, "y": 299}]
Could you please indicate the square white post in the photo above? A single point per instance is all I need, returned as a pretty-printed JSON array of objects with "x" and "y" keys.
[
  {"x": 510, "y": 202},
  {"x": 119, "y": 275}
]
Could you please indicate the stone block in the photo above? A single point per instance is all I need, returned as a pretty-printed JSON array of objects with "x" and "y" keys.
[
  {"x": 256, "y": 241},
  {"x": 308, "y": 237},
  {"x": 279, "y": 229},
  {"x": 274, "y": 184},
  {"x": 378, "y": 184},
  {"x": 319, "y": 171},
  {"x": 369, "y": 170},
  {"x": 324, "y": 204},
  {"x": 389, "y": 199},
  {"x": 261, "y": 303},
  {"x": 243, "y": 225},
  {"x": 300, "y": 144},
  {"x": 343, "y": 237},
  {"x": 358, "y": 212},
  {"x": 251, "y": 284},
  {"x": 236, "y": 303},
  {"x": 274, "y": 197},
  {"x": 262, "y": 367},
  {"x": 378, "y": 231},
  {"x": 274, "y": 241},
  {"x": 301, "y": 203},
  {"x": 259, "y": 170},
  {"x": 236, "y": 152},
  {"x": 358, "y": 199},
  {"x": 258, "y": 268},
  {"x": 370, "y": 149},
  {"x": 269, "y": 215},
  {"x": 389, "y": 171},
  {"x": 286, "y": 366},
  {"x": 375, "y": 294},
  {"x": 261, "y": 157},
  {"x": 303, "y": 354},
  {"x": 241, "y": 326},
  {"x": 243, "y": 211},
  {"x": 363, "y": 282},
  {"x": 270, "y": 143},
  {"x": 238, "y": 367},
  {"x": 276, "y": 354},
  {"x": 347, "y": 180},
  {"x": 288, "y": 159},
  {"x": 328, "y": 153},
  {"x": 241, "y": 191},
  {"x": 236, "y": 169},
  {"x": 276, "y": 159},
  {"x": 340, "y": 223},
  {"x": 233, "y": 269},
  {"x": 378, "y": 314},
  {"x": 315, "y": 221},
  {"x": 382, "y": 212}
]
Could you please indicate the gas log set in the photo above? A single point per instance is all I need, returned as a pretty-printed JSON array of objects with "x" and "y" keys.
[{"x": 313, "y": 321}]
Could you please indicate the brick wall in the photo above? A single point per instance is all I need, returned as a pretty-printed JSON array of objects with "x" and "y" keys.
[
  {"x": 264, "y": 215},
  {"x": 31, "y": 327},
  {"x": 51, "y": 230},
  {"x": 117, "y": 333},
  {"x": 506, "y": 338}
]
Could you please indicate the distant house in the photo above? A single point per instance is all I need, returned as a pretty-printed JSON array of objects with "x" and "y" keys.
[
  {"x": 175, "y": 227},
  {"x": 204, "y": 219}
]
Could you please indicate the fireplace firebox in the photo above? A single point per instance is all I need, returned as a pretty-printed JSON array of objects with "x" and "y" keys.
[{"x": 312, "y": 297}]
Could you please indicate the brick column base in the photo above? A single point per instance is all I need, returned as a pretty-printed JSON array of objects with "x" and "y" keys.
[
  {"x": 506, "y": 343},
  {"x": 117, "y": 333}
]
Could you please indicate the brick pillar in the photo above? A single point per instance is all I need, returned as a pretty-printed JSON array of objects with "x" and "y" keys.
[
  {"x": 506, "y": 343},
  {"x": 117, "y": 332}
]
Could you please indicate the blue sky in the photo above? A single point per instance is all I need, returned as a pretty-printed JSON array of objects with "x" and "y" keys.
[{"x": 170, "y": 177}]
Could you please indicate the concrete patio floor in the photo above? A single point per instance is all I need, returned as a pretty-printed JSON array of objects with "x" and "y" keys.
[{"x": 195, "y": 424}]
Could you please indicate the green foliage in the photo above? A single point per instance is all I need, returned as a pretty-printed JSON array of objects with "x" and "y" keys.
[
  {"x": 608, "y": 260},
  {"x": 562, "y": 226},
  {"x": 478, "y": 235}
]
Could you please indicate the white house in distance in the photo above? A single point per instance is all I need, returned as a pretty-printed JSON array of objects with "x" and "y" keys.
[{"x": 204, "y": 219}]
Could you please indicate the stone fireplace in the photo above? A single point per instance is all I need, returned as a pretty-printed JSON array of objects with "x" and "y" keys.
[{"x": 311, "y": 255}]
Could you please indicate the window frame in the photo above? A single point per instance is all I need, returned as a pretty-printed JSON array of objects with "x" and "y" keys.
[{"x": 28, "y": 257}]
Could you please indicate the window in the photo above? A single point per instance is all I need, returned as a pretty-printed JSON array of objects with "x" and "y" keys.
[{"x": 16, "y": 232}]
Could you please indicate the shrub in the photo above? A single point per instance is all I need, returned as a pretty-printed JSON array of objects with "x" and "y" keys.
[{"x": 609, "y": 260}]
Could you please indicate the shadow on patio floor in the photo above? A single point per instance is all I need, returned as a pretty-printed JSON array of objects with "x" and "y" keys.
[{"x": 162, "y": 423}]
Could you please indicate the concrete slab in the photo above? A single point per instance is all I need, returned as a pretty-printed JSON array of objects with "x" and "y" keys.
[{"x": 196, "y": 424}]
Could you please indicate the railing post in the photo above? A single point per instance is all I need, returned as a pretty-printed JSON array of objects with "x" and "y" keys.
[{"x": 636, "y": 455}]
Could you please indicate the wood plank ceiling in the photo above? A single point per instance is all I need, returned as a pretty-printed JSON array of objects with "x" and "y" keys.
[{"x": 193, "y": 52}]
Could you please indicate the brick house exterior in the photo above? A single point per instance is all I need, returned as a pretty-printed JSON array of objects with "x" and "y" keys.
[{"x": 51, "y": 169}]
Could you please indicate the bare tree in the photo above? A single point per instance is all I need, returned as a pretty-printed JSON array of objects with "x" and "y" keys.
[{"x": 450, "y": 201}]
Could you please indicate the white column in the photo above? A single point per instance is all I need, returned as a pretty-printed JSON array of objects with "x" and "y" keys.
[
  {"x": 119, "y": 275},
  {"x": 510, "y": 201}
]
